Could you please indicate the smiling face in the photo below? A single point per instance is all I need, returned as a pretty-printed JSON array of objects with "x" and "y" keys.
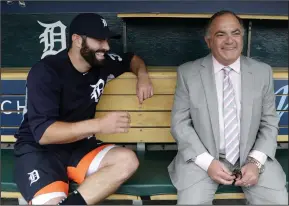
[
  {"x": 93, "y": 51},
  {"x": 225, "y": 39}
]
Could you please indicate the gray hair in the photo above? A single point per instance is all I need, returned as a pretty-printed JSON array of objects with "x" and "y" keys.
[{"x": 221, "y": 13}]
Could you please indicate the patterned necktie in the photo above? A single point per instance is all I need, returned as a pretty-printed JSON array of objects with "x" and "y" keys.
[{"x": 231, "y": 130}]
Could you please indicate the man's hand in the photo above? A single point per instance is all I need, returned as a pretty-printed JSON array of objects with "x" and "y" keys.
[
  {"x": 250, "y": 173},
  {"x": 219, "y": 173},
  {"x": 114, "y": 122},
  {"x": 144, "y": 88}
]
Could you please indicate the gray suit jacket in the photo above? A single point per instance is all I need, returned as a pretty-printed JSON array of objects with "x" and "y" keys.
[{"x": 195, "y": 120}]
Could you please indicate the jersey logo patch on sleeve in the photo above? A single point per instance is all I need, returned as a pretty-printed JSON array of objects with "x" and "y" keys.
[{"x": 97, "y": 90}]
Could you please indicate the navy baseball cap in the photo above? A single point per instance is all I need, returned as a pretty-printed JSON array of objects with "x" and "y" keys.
[{"x": 91, "y": 25}]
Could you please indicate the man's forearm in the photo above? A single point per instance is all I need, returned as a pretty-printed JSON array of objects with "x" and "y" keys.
[
  {"x": 138, "y": 67},
  {"x": 63, "y": 132}
]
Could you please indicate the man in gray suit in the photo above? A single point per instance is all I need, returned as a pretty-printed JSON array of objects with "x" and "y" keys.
[{"x": 224, "y": 118}]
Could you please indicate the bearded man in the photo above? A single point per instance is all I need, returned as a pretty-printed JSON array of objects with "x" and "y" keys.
[{"x": 56, "y": 142}]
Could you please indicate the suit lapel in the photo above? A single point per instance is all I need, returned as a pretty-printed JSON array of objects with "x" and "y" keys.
[
  {"x": 247, "y": 87},
  {"x": 208, "y": 80}
]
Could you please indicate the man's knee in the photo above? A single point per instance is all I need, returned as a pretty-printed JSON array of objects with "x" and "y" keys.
[
  {"x": 281, "y": 199},
  {"x": 261, "y": 196},
  {"x": 127, "y": 162}
]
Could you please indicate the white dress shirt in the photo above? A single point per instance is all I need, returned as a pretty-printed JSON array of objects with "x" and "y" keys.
[{"x": 204, "y": 160}]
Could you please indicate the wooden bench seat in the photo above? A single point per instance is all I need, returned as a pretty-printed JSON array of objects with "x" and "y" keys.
[{"x": 150, "y": 126}]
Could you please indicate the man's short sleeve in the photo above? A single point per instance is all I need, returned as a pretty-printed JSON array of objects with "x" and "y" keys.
[
  {"x": 43, "y": 97},
  {"x": 117, "y": 64}
]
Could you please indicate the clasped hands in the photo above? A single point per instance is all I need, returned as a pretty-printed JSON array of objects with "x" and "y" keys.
[{"x": 247, "y": 176}]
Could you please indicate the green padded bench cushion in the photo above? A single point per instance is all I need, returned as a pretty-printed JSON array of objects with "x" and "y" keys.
[{"x": 150, "y": 179}]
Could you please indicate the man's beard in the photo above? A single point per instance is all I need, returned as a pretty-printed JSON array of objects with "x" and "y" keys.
[{"x": 89, "y": 55}]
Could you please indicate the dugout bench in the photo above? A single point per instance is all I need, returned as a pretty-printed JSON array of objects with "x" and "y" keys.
[{"x": 149, "y": 136}]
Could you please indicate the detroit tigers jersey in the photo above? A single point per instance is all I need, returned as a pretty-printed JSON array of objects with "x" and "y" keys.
[{"x": 56, "y": 91}]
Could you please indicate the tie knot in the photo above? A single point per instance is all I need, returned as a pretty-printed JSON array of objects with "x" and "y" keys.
[{"x": 227, "y": 70}]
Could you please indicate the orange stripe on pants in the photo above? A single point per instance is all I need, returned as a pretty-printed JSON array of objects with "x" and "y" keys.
[
  {"x": 57, "y": 186},
  {"x": 77, "y": 174}
]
